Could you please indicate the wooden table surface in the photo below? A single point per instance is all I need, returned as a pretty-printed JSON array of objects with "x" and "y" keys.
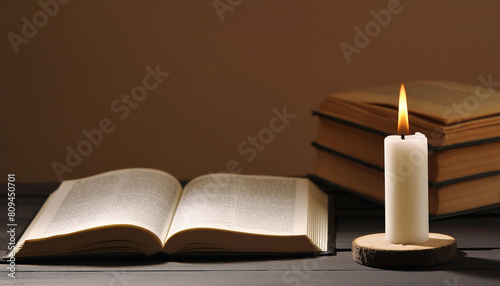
[{"x": 478, "y": 237}]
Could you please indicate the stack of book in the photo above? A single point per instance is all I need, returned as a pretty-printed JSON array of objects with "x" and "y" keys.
[{"x": 462, "y": 125}]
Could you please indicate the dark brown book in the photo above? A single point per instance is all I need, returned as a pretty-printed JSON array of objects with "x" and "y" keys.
[
  {"x": 462, "y": 126},
  {"x": 445, "y": 163},
  {"x": 354, "y": 175}
]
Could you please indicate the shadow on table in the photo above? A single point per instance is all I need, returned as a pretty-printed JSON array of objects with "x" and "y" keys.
[
  {"x": 470, "y": 266},
  {"x": 140, "y": 260}
]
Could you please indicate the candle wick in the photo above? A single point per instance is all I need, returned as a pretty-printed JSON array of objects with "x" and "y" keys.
[{"x": 403, "y": 136}]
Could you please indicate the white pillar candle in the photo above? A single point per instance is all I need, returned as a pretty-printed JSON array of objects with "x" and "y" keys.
[
  {"x": 406, "y": 189},
  {"x": 406, "y": 183}
]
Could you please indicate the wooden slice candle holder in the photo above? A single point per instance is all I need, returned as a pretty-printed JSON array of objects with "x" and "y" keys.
[{"x": 373, "y": 250}]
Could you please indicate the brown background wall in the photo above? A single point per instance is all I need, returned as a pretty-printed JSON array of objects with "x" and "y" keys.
[{"x": 226, "y": 77}]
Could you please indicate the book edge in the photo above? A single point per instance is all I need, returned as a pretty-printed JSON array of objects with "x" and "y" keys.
[
  {"x": 432, "y": 148},
  {"x": 381, "y": 169},
  {"x": 315, "y": 178}
]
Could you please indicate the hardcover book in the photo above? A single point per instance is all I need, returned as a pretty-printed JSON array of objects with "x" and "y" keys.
[
  {"x": 461, "y": 123},
  {"x": 147, "y": 211}
]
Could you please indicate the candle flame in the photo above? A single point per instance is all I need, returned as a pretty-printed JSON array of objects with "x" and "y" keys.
[{"x": 403, "y": 125}]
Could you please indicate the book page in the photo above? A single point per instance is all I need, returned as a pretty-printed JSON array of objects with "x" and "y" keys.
[
  {"x": 142, "y": 197},
  {"x": 446, "y": 102},
  {"x": 259, "y": 204}
]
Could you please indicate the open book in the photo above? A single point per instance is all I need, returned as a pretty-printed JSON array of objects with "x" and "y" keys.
[{"x": 147, "y": 211}]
